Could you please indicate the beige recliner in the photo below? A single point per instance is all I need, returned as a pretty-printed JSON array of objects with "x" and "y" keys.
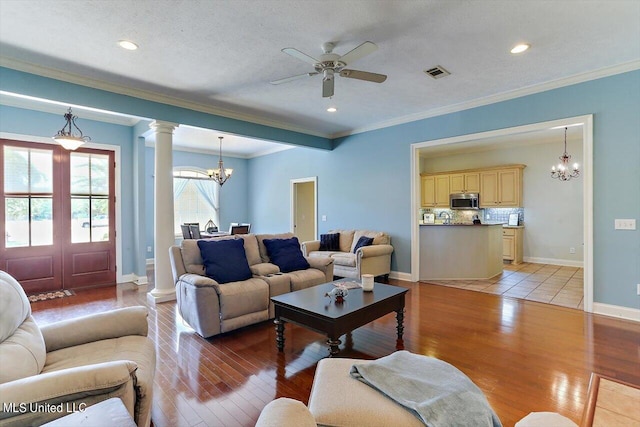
[{"x": 47, "y": 372}]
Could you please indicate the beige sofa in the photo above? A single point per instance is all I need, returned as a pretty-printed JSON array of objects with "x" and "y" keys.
[
  {"x": 211, "y": 308},
  {"x": 374, "y": 259},
  {"x": 72, "y": 363}
]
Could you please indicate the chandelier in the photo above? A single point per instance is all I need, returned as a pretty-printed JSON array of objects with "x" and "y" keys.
[
  {"x": 65, "y": 136},
  {"x": 563, "y": 172},
  {"x": 220, "y": 175}
]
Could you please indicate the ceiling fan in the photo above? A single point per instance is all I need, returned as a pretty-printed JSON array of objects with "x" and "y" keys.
[{"x": 330, "y": 64}]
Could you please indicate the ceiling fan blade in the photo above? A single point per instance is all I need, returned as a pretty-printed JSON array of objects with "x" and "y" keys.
[
  {"x": 364, "y": 49},
  {"x": 327, "y": 88},
  {"x": 301, "y": 56},
  {"x": 292, "y": 78},
  {"x": 363, "y": 75}
]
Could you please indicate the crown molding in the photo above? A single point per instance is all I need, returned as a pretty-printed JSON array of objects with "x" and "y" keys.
[
  {"x": 52, "y": 73},
  {"x": 214, "y": 152},
  {"x": 54, "y": 107},
  {"x": 504, "y": 96}
]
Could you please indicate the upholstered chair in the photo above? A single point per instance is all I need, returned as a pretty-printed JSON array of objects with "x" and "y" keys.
[{"x": 73, "y": 363}]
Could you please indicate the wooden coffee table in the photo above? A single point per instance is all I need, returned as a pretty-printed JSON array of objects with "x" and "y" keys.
[{"x": 311, "y": 309}]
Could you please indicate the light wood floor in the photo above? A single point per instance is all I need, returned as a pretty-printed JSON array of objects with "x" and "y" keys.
[
  {"x": 525, "y": 356},
  {"x": 551, "y": 284}
]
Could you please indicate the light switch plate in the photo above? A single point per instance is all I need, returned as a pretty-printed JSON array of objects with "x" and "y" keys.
[{"x": 625, "y": 224}]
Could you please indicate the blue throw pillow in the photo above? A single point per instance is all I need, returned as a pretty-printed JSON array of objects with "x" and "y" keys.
[
  {"x": 330, "y": 242},
  {"x": 363, "y": 241},
  {"x": 225, "y": 260},
  {"x": 286, "y": 254}
]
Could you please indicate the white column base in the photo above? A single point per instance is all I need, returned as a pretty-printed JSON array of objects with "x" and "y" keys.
[{"x": 158, "y": 298}]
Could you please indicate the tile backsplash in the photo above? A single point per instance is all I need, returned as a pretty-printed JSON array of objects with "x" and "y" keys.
[{"x": 485, "y": 215}]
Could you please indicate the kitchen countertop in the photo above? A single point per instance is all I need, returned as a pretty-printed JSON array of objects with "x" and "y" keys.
[
  {"x": 504, "y": 225},
  {"x": 463, "y": 224}
]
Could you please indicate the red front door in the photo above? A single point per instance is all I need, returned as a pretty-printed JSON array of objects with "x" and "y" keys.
[{"x": 57, "y": 215}]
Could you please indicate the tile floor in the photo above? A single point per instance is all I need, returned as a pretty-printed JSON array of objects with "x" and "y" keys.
[{"x": 551, "y": 284}]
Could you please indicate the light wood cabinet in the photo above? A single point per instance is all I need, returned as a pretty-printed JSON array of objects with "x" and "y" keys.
[
  {"x": 435, "y": 191},
  {"x": 464, "y": 182},
  {"x": 512, "y": 245},
  {"x": 501, "y": 188}
]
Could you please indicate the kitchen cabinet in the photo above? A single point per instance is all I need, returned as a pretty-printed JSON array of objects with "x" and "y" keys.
[
  {"x": 512, "y": 245},
  {"x": 464, "y": 182},
  {"x": 435, "y": 191},
  {"x": 501, "y": 188}
]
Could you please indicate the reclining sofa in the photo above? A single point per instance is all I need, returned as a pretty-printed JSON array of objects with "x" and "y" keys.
[
  {"x": 73, "y": 363},
  {"x": 212, "y": 308},
  {"x": 352, "y": 262}
]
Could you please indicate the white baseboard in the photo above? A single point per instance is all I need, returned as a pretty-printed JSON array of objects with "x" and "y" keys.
[
  {"x": 151, "y": 261},
  {"x": 617, "y": 311},
  {"x": 126, "y": 278},
  {"x": 554, "y": 261},
  {"x": 141, "y": 281},
  {"x": 400, "y": 276}
]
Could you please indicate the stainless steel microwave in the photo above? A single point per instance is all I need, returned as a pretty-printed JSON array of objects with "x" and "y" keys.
[{"x": 464, "y": 201}]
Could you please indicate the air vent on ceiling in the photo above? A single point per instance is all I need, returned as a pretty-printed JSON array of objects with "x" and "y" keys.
[{"x": 437, "y": 72}]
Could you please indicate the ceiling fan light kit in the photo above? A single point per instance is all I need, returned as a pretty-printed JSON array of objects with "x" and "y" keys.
[{"x": 331, "y": 64}]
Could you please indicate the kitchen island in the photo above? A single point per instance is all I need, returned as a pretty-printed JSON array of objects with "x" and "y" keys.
[{"x": 460, "y": 251}]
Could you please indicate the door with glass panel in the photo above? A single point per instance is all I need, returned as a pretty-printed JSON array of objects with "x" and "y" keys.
[
  {"x": 57, "y": 216},
  {"x": 89, "y": 213},
  {"x": 31, "y": 250}
]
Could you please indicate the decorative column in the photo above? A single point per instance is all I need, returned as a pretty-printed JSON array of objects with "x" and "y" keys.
[{"x": 163, "y": 213}]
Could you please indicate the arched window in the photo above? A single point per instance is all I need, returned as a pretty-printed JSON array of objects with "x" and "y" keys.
[{"x": 195, "y": 198}]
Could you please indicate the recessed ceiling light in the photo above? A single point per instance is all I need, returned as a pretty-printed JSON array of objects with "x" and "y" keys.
[
  {"x": 332, "y": 109},
  {"x": 519, "y": 48},
  {"x": 126, "y": 44}
]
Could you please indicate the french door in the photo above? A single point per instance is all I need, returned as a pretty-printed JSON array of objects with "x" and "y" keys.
[{"x": 57, "y": 214}]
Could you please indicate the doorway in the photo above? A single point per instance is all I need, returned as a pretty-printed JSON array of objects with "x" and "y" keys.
[
  {"x": 479, "y": 138},
  {"x": 304, "y": 208},
  {"x": 57, "y": 213}
]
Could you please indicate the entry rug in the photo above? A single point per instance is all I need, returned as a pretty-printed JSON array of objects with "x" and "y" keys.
[{"x": 50, "y": 295}]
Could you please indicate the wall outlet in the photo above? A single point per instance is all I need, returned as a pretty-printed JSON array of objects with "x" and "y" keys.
[
  {"x": 572, "y": 250},
  {"x": 625, "y": 224},
  {"x": 324, "y": 217},
  {"x": 638, "y": 290},
  {"x": 148, "y": 248}
]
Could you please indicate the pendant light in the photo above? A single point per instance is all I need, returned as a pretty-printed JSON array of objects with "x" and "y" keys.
[{"x": 65, "y": 136}]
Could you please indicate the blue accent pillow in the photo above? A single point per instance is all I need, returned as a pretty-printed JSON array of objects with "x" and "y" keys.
[
  {"x": 286, "y": 254},
  {"x": 225, "y": 260},
  {"x": 363, "y": 241},
  {"x": 330, "y": 242}
]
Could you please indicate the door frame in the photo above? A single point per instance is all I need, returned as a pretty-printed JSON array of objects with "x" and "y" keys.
[
  {"x": 99, "y": 146},
  {"x": 587, "y": 189},
  {"x": 292, "y": 198}
]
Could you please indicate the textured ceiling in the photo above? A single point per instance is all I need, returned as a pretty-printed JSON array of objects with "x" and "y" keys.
[{"x": 222, "y": 54}]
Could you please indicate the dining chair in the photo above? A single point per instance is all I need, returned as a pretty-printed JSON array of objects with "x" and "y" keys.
[
  {"x": 195, "y": 231},
  {"x": 239, "y": 229},
  {"x": 186, "y": 232}
]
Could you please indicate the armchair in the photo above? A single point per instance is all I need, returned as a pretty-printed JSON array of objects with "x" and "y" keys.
[{"x": 71, "y": 364}]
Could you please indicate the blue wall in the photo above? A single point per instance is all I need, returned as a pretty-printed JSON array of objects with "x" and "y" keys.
[
  {"x": 353, "y": 189},
  {"x": 355, "y": 192}
]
